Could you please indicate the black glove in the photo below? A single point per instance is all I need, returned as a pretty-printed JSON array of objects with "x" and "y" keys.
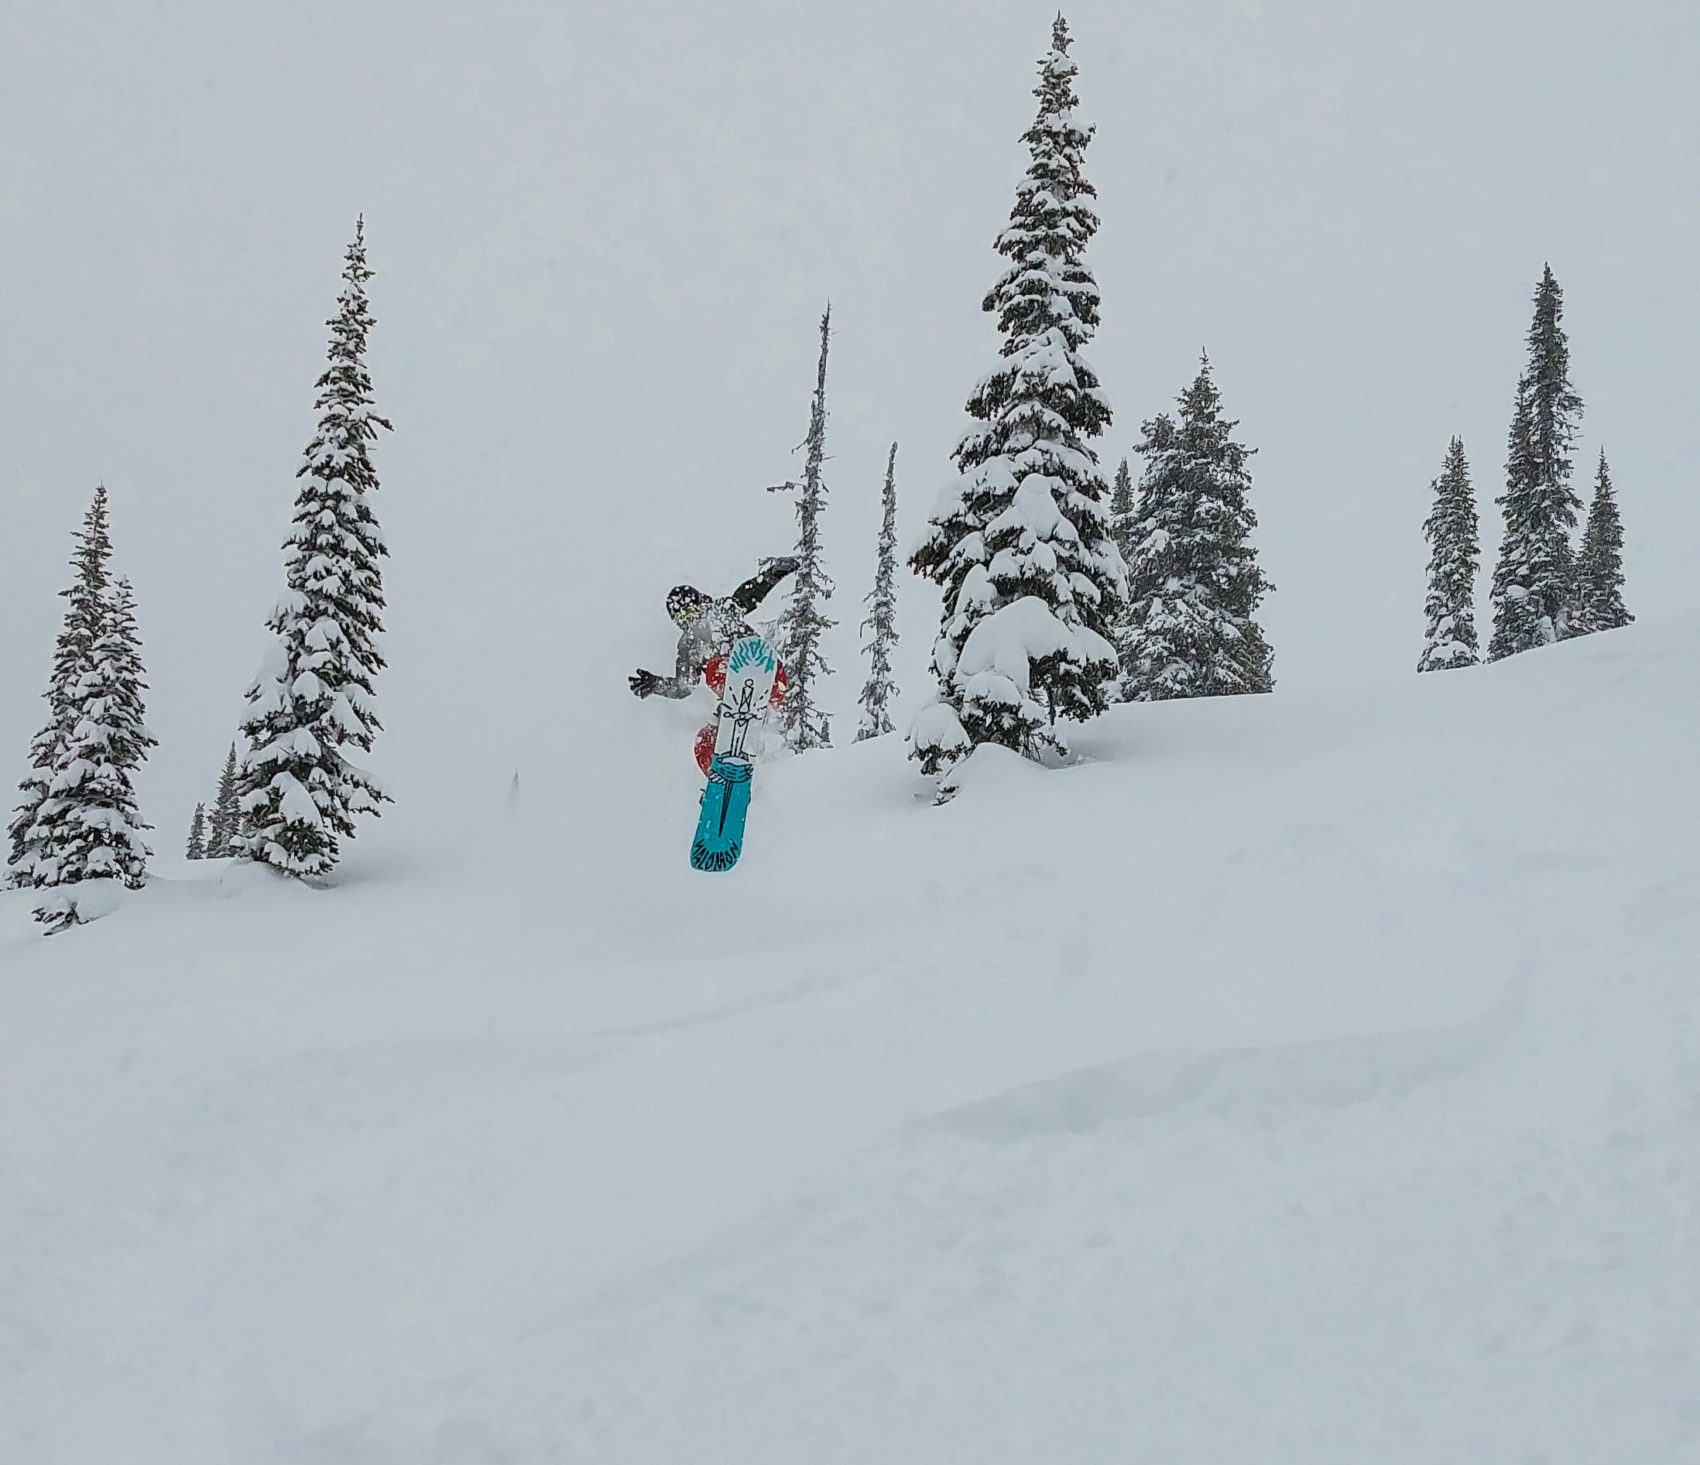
[
  {"x": 643, "y": 683},
  {"x": 786, "y": 564}
]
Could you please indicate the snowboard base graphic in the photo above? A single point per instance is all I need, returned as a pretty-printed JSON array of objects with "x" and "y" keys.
[
  {"x": 725, "y": 804},
  {"x": 751, "y": 667}
]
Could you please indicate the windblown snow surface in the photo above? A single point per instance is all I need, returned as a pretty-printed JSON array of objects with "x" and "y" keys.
[{"x": 1295, "y": 1079}]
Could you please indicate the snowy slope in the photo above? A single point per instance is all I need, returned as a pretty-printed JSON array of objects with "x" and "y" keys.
[{"x": 1297, "y": 1079}]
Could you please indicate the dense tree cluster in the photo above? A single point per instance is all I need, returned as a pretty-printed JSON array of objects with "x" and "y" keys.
[
  {"x": 294, "y": 794},
  {"x": 77, "y": 820},
  {"x": 1545, "y": 590}
]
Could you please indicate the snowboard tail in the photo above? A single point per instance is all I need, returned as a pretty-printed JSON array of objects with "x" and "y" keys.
[{"x": 720, "y": 826}]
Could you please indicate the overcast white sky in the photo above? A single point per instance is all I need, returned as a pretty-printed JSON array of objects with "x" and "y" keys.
[{"x": 603, "y": 234}]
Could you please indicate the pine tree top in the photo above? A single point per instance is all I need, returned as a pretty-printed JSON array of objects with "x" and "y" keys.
[
  {"x": 888, "y": 500},
  {"x": 1121, "y": 494},
  {"x": 344, "y": 390},
  {"x": 1050, "y": 224},
  {"x": 93, "y": 550},
  {"x": 1057, "y": 70},
  {"x": 1453, "y": 493},
  {"x": 1602, "y": 477},
  {"x": 1451, "y": 528},
  {"x": 1604, "y": 533},
  {"x": 89, "y": 594},
  {"x": 1202, "y": 430},
  {"x": 1602, "y": 512},
  {"x": 818, "y": 411},
  {"x": 1544, "y": 428}
]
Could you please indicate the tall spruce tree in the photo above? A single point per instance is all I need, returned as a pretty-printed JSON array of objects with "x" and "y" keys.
[
  {"x": 197, "y": 849},
  {"x": 881, "y": 623},
  {"x": 1533, "y": 583},
  {"x": 87, "y": 827},
  {"x": 226, "y": 819},
  {"x": 1020, "y": 544},
  {"x": 1450, "y": 639},
  {"x": 1194, "y": 582},
  {"x": 298, "y": 793},
  {"x": 73, "y": 656},
  {"x": 804, "y": 619},
  {"x": 1599, "y": 568}
]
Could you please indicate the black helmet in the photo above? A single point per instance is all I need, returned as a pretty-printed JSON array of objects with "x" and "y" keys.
[{"x": 685, "y": 603}]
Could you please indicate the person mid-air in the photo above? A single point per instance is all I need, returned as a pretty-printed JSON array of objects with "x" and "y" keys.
[{"x": 707, "y": 629}]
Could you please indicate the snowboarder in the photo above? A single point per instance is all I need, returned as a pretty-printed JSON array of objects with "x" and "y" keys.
[{"x": 707, "y": 629}]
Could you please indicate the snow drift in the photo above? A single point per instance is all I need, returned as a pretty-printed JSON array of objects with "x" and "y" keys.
[{"x": 1294, "y": 1079}]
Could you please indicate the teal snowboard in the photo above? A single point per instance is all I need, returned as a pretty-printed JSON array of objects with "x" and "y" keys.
[{"x": 750, "y": 670}]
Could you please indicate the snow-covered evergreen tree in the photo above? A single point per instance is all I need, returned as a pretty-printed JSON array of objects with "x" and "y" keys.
[
  {"x": 804, "y": 620},
  {"x": 1194, "y": 582},
  {"x": 1020, "y": 543},
  {"x": 1599, "y": 568},
  {"x": 225, "y": 821},
  {"x": 1533, "y": 583},
  {"x": 881, "y": 623},
  {"x": 73, "y": 656},
  {"x": 298, "y": 792},
  {"x": 197, "y": 849},
  {"x": 1450, "y": 640},
  {"x": 87, "y": 827}
]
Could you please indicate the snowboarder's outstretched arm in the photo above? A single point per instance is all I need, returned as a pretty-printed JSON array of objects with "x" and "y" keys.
[
  {"x": 755, "y": 590},
  {"x": 678, "y": 686},
  {"x": 687, "y": 671}
]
